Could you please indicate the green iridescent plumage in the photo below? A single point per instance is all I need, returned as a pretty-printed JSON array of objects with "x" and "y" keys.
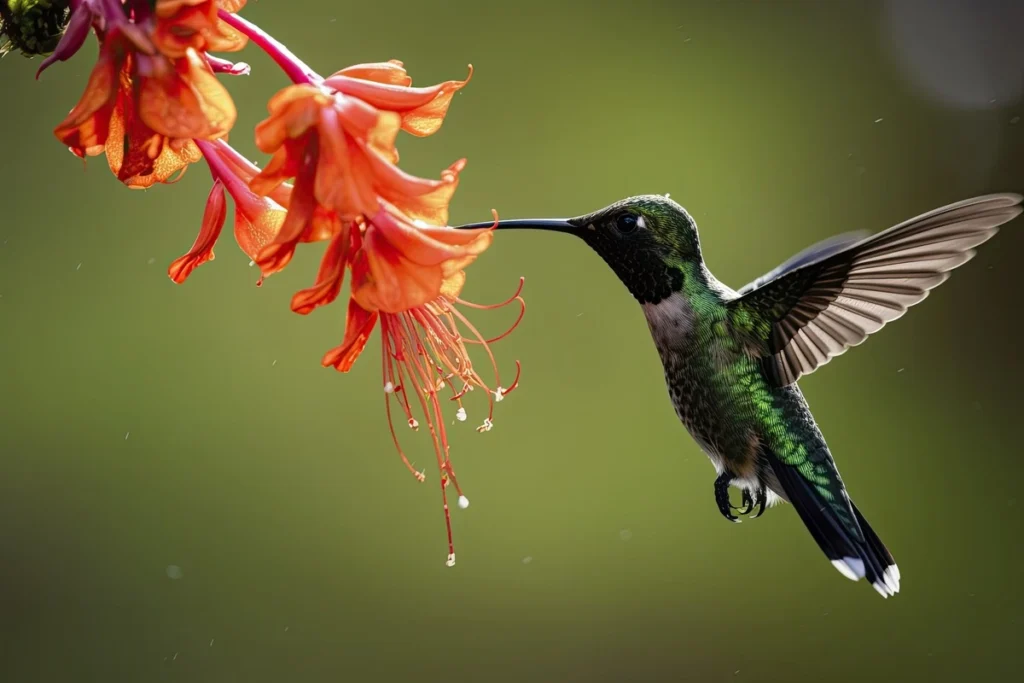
[{"x": 732, "y": 357}]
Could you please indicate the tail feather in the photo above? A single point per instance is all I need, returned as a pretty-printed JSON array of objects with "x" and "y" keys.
[{"x": 852, "y": 545}]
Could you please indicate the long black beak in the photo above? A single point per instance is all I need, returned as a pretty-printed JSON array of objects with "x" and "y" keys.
[{"x": 552, "y": 224}]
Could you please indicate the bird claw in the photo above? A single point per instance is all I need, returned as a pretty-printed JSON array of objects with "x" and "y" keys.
[
  {"x": 722, "y": 497},
  {"x": 748, "y": 503},
  {"x": 758, "y": 499}
]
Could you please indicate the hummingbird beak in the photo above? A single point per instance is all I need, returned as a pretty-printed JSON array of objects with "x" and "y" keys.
[{"x": 550, "y": 224}]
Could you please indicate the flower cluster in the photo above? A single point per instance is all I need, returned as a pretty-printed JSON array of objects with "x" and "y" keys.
[{"x": 154, "y": 105}]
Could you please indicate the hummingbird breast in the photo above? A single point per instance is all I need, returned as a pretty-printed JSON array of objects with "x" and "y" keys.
[{"x": 701, "y": 375}]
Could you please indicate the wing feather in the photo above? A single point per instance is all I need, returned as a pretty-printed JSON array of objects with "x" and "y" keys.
[{"x": 834, "y": 295}]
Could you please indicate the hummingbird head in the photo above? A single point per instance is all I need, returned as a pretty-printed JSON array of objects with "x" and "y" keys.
[{"x": 647, "y": 240}]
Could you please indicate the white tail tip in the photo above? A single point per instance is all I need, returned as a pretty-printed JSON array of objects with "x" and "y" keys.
[{"x": 850, "y": 567}]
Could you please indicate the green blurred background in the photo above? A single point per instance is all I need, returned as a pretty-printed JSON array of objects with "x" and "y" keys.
[{"x": 187, "y": 495}]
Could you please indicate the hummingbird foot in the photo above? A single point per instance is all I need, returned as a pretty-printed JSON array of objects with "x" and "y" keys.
[
  {"x": 752, "y": 499},
  {"x": 722, "y": 496},
  {"x": 760, "y": 499},
  {"x": 748, "y": 502}
]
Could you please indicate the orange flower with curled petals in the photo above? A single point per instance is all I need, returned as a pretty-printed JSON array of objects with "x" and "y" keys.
[
  {"x": 183, "y": 24},
  {"x": 408, "y": 278},
  {"x": 144, "y": 110},
  {"x": 341, "y": 153},
  {"x": 388, "y": 87}
]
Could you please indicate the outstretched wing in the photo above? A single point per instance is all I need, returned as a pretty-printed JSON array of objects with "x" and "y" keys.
[
  {"x": 809, "y": 314},
  {"x": 812, "y": 254}
]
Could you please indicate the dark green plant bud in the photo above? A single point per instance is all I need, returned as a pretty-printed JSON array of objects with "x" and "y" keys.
[{"x": 33, "y": 27}]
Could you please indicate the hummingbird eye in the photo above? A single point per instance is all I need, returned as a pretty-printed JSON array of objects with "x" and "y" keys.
[{"x": 627, "y": 223}]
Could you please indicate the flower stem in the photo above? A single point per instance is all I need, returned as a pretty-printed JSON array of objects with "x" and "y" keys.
[
  {"x": 236, "y": 187},
  {"x": 295, "y": 68}
]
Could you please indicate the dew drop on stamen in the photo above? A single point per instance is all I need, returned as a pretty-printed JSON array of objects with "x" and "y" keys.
[
  {"x": 451, "y": 560},
  {"x": 463, "y": 502},
  {"x": 389, "y": 388},
  {"x": 460, "y": 415},
  {"x": 413, "y": 424}
]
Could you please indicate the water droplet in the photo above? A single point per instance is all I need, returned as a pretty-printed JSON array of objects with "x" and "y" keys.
[
  {"x": 463, "y": 502},
  {"x": 451, "y": 560},
  {"x": 389, "y": 388},
  {"x": 174, "y": 572},
  {"x": 460, "y": 414}
]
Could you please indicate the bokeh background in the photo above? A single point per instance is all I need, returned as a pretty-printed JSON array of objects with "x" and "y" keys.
[{"x": 187, "y": 495}]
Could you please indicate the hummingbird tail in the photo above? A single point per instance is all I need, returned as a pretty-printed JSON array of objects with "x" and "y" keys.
[{"x": 854, "y": 555}]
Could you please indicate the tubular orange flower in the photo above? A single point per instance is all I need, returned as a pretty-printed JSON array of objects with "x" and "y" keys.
[
  {"x": 258, "y": 219},
  {"x": 142, "y": 107},
  {"x": 336, "y": 138},
  {"x": 409, "y": 279},
  {"x": 341, "y": 152}
]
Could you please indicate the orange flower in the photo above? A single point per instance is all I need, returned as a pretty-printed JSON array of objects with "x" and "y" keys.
[
  {"x": 183, "y": 24},
  {"x": 336, "y": 138},
  {"x": 340, "y": 150},
  {"x": 144, "y": 109},
  {"x": 409, "y": 279},
  {"x": 258, "y": 219}
]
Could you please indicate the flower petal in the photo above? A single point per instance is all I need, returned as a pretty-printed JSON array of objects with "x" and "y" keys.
[
  {"x": 418, "y": 198},
  {"x": 427, "y": 246},
  {"x": 276, "y": 255},
  {"x": 202, "y": 250},
  {"x": 422, "y": 109},
  {"x": 183, "y": 100},
  {"x": 85, "y": 128},
  {"x": 392, "y": 72},
  {"x": 358, "y": 327},
  {"x": 328, "y": 279},
  {"x": 293, "y": 110},
  {"x": 139, "y": 157},
  {"x": 73, "y": 39}
]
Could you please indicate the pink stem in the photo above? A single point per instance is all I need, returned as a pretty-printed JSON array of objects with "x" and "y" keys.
[
  {"x": 236, "y": 187},
  {"x": 295, "y": 68}
]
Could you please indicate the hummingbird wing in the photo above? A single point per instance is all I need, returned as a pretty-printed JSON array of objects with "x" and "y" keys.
[
  {"x": 806, "y": 316},
  {"x": 811, "y": 254}
]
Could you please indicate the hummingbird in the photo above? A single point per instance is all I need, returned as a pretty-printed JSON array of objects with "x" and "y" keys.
[{"x": 732, "y": 358}]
